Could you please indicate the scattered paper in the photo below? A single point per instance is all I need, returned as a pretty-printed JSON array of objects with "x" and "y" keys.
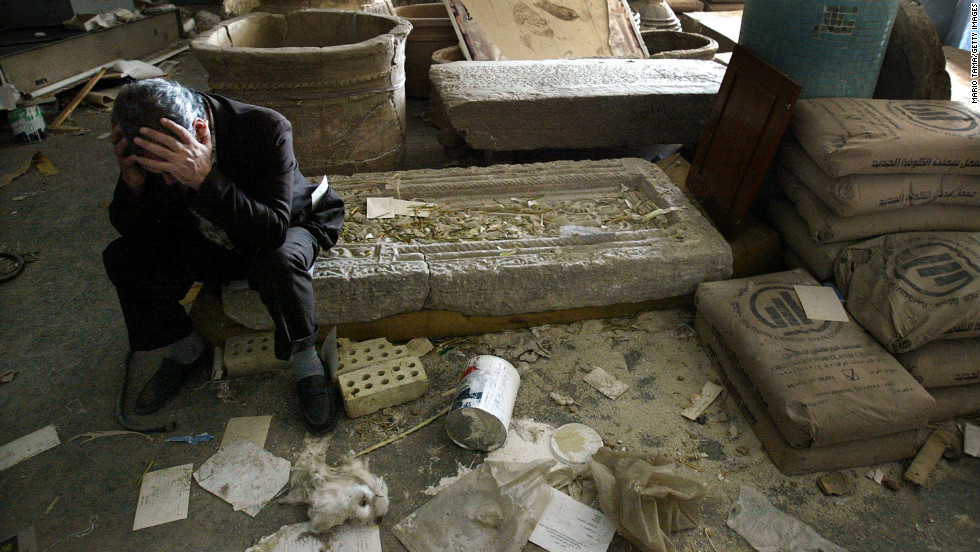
[
  {"x": 971, "y": 439},
  {"x": 877, "y": 475},
  {"x": 45, "y": 166},
  {"x": 709, "y": 392},
  {"x": 605, "y": 383},
  {"x": 254, "y": 429},
  {"x": 821, "y": 303},
  {"x": 300, "y": 537},
  {"x": 420, "y": 346},
  {"x": 27, "y": 446},
  {"x": 388, "y": 207},
  {"x": 244, "y": 475},
  {"x": 380, "y": 207},
  {"x": 569, "y": 525},
  {"x": 137, "y": 69},
  {"x": 192, "y": 439},
  {"x": 163, "y": 496}
]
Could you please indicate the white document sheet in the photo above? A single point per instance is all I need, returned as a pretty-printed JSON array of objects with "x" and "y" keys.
[
  {"x": 163, "y": 496},
  {"x": 567, "y": 525}
]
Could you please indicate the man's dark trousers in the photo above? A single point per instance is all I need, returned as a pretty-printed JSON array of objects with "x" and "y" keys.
[{"x": 152, "y": 276}]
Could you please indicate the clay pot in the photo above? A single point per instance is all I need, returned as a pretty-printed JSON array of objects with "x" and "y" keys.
[
  {"x": 431, "y": 31},
  {"x": 338, "y": 76}
]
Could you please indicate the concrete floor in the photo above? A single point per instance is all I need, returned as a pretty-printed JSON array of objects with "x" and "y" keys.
[{"x": 60, "y": 328}]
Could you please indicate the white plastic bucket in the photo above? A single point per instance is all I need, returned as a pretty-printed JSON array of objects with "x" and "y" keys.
[
  {"x": 482, "y": 408},
  {"x": 27, "y": 123}
]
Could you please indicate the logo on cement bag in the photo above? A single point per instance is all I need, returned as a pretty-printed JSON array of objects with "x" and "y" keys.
[
  {"x": 774, "y": 310},
  {"x": 948, "y": 118},
  {"x": 936, "y": 269}
]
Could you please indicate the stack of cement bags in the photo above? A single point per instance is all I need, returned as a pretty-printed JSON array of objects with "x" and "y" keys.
[
  {"x": 820, "y": 395},
  {"x": 855, "y": 169},
  {"x": 918, "y": 293}
]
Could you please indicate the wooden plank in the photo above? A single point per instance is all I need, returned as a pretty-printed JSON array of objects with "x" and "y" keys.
[
  {"x": 33, "y": 69},
  {"x": 746, "y": 123},
  {"x": 77, "y": 99}
]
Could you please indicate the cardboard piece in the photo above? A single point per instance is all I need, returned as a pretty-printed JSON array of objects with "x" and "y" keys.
[
  {"x": 567, "y": 524},
  {"x": 821, "y": 303},
  {"x": 861, "y": 136},
  {"x": 944, "y": 362},
  {"x": 496, "y": 30},
  {"x": 605, "y": 383},
  {"x": 823, "y": 382},
  {"x": 27, "y": 446},
  {"x": 252, "y": 428},
  {"x": 788, "y": 459},
  {"x": 913, "y": 288},
  {"x": 164, "y": 496}
]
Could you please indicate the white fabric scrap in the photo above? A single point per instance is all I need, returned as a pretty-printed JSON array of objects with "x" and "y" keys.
[{"x": 244, "y": 475}]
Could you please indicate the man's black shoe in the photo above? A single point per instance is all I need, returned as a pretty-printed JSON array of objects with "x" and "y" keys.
[
  {"x": 166, "y": 382},
  {"x": 318, "y": 404}
]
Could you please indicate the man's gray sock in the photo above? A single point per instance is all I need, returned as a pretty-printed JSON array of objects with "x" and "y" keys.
[
  {"x": 306, "y": 363},
  {"x": 186, "y": 350}
]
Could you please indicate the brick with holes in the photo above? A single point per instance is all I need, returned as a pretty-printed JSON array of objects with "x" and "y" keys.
[
  {"x": 368, "y": 353},
  {"x": 382, "y": 384},
  {"x": 252, "y": 353}
]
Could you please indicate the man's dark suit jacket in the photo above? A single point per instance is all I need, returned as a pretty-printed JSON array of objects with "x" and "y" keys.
[{"x": 254, "y": 192}]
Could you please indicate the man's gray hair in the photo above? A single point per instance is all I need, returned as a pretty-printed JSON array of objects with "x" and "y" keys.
[{"x": 143, "y": 103}]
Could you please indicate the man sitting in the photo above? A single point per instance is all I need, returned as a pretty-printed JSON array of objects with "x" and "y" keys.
[{"x": 210, "y": 190}]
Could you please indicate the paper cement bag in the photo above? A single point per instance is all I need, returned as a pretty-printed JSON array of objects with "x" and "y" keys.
[
  {"x": 822, "y": 382},
  {"x": 861, "y": 194},
  {"x": 818, "y": 257},
  {"x": 944, "y": 363},
  {"x": 645, "y": 496},
  {"x": 910, "y": 289},
  {"x": 861, "y": 136},
  {"x": 790, "y": 460},
  {"x": 955, "y": 401},
  {"x": 826, "y": 226}
]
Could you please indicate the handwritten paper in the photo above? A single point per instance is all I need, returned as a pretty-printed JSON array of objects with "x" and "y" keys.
[
  {"x": 250, "y": 428},
  {"x": 27, "y": 446},
  {"x": 709, "y": 392},
  {"x": 567, "y": 525},
  {"x": 163, "y": 496},
  {"x": 821, "y": 303}
]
